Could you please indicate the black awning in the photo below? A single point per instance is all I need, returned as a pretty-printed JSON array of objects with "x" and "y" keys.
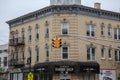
[
  {"x": 70, "y": 66},
  {"x": 89, "y": 67}
]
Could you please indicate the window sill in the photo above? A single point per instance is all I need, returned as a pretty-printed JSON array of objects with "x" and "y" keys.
[
  {"x": 116, "y": 40},
  {"x": 102, "y": 58},
  {"x": 92, "y": 60},
  {"x": 109, "y": 36},
  {"x": 37, "y": 39},
  {"x": 110, "y": 59},
  {"x": 90, "y": 37},
  {"x": 29, "y": 41},
  {"x": 102, "y": 36}
]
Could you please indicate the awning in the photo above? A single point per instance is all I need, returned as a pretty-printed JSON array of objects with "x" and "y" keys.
[
  {"x": 67, "y": 66},
  {"x": 89, "y": 67}
]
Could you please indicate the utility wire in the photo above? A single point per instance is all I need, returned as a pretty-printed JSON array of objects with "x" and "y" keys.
[{"x": 85, "y": 38}]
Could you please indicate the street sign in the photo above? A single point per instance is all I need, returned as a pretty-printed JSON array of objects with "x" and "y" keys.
[{"x": 30, "y": 76}]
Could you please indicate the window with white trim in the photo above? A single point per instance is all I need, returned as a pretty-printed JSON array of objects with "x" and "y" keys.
[
  {"x": 117, "y": 55},
  {"x": 91, "y": 30},
  {"x": 64, "y": 52},
  {"x": 91, "y": 53},
  {"x": 46, "y": 30},
  {"x": 117, "y": 33},
  {"x": 64, "y": 27}
]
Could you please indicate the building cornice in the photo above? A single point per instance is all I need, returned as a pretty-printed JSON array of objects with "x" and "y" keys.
[{"x": 64, "y": 9}]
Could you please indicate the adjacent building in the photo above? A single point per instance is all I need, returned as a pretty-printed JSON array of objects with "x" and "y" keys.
[
  {"x": 90, "y": 43},
  {"x": 4, "y": 56},
  {"x": 3, "y": 60}
]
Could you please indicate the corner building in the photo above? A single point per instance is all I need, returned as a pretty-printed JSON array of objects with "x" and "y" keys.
[{"x": 90, "y": 43}]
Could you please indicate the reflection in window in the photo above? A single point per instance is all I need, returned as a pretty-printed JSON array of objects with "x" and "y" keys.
[
  {"x": 117, "y": 33},
  {"x": 117, "y": 55},
  {"x": 64, "y": 52},
  {"x": 91, "y": 30},
  {"x": 64, "y": 26},
  {"x": 90, "y": 53}
]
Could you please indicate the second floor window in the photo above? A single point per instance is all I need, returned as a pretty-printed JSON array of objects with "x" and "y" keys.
[
  {"x": 117, "y": 55},
  {"x": 47, "y": 54},
  {"x": 117, "y": 33},
  {"x": 90, "y": 53},
  {"x": 91, "y": 30},
  {"x": 29, "y": 60},
  {"x": 64, "y": 27},
  {"x": 110, "y": 53},
  {"x": 103, "y": 53},
  {"x": 64, "y": 52},
  {"x": 37, "y": 54}
]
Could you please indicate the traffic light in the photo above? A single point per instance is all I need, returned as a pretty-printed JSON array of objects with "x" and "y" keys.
[{"x": 56, "y": 42}]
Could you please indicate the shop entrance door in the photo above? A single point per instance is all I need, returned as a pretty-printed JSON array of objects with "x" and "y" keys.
[{"x": 65, "y": 77}]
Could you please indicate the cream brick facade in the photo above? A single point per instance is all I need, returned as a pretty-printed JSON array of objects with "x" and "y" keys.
[{"x": 77, "y": 41}]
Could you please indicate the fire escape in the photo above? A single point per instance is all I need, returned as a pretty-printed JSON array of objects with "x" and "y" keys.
[{"x": 15, "y": 45}]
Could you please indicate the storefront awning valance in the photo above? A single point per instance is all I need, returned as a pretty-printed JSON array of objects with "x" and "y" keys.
[
  {"x": 70, "y": 66},
  {"x": 89, "y": 67}
]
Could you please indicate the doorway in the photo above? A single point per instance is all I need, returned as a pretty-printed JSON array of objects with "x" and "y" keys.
[{"x": 65, "y": 77}]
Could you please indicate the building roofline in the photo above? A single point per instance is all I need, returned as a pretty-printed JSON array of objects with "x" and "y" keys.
[{"x": 62, "y": 9}]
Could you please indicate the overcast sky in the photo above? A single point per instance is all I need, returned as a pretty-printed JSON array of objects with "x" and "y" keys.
[{"x": 10, "y": 9}]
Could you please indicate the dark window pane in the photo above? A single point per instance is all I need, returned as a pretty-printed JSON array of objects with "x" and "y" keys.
[
  {"x": 88, "y": 33},
  {"x": 65, "y": 56},
  {"x": 5, "y": 61}
]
